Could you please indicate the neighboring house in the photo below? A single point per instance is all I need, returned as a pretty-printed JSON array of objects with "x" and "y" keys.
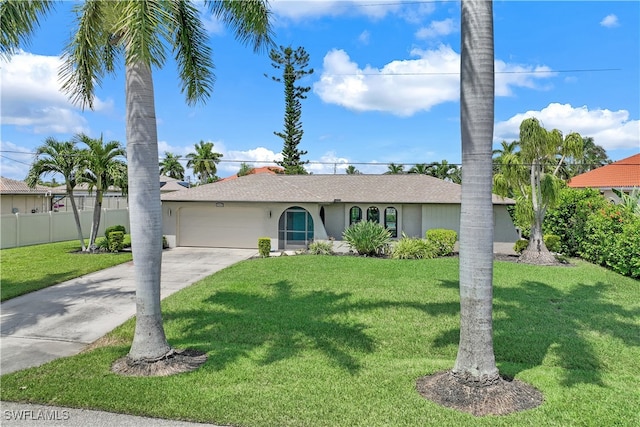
[
  {"x": 623, "y": 175},
  {"x": 168, "y": 184},
  {"x": 86, "y": 198},
  {"x": 270, "y": 170},
  {"x": 17, "y": 197},
  {"x": 294, "y": 210}
]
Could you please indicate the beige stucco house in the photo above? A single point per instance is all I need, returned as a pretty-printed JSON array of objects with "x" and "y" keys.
[
  {"x": 294, "y": 210},
  {"x": 17, "y": 197}
]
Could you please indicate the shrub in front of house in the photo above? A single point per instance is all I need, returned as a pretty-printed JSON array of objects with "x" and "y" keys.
[
  {"x": 568, "y": 217},
  {"x": 115, "y": 241},
  {"x": 264, "y": 246},
  {"x": 552, "y": 242},
  {"x": 612, "y": 239},
  {"x": 443, "y": 240},
  {"x": 367, "y": 238},
  {"x": 413, "y": 248},
  {"x": 113, "y": 228},
  {"x": 321, "y": 248},
  {"x": 520, "y": 245}
]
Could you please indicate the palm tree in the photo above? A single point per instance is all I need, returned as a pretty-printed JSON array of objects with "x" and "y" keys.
[
  {"x": 542, "y": 151},
  {"x": 141, "y": 31},
  {"x": 19, "y": 20},
  {"x": 394, "y": 169},
  {"x": 170, "y": 166},
  {"x": 203, "y": 161},
  {"x": 501, "y": 155},
  {"x": 351, "y": 170},
  {"x": 445, "y": 171},
  {"x": 104, "y": 168},
  {"x": 63, "y": 158},
  {"x": 593, "y": 156},
  {"x": 420, "y": 168},
  {"x": 475, "y": 361}
]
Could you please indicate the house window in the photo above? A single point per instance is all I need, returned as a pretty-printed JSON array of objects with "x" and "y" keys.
[
  {"x": 355, "y": 215},
  {"x": 373, "y": 214},
  {"x": 295, "y": 228},
  {"x": 391, "y": 221}
]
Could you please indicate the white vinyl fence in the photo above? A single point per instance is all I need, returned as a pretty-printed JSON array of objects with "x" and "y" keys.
[{"x": 24, "y": 229}]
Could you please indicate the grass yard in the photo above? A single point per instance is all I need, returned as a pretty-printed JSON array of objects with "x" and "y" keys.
[
  {"x": 29, "y": 268},
  {"x": 341, "y": 341}
]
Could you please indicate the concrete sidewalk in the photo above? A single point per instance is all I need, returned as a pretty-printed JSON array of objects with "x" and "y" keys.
[{"x": 61, "y": 320}]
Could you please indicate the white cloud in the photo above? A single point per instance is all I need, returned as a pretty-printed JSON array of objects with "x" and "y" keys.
[
  {"x": 610, "y": 21},
  {"x": 31, "y": 96},
  {"x": 364, "y": 37},
  {"x": 610, "y": 129},
  {"x": 436, "y": 29},
  {"x": 405, "y": 87},
  {"x": 329, "y": 163}
]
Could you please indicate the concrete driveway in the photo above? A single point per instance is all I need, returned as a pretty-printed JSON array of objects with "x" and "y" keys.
[{"x": 61, "y": 320}]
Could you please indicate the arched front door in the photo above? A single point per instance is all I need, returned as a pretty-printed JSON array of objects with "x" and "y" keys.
[{"x": 295, "y": 228}]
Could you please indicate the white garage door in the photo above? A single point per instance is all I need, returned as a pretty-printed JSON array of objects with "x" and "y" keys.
[{"x": 223, "y": 227}]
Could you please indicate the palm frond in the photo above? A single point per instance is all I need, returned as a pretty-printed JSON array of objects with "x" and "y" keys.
[{"x": 249, "y": 19}]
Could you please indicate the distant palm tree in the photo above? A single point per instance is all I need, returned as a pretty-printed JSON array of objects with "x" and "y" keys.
[
  {"x": 351, "y": 170},
  {"x": 420, "y": 168},
  {"x": 445, "y": 171},
  {"x": 105, "y": 167},
  {"x": 593, "y": 156},
  {"x": 203, "y": 161},
  {"x": 394, "y": 169},
  {"x": 170, "y": 166},
  {"x": 66, "y": 159}
]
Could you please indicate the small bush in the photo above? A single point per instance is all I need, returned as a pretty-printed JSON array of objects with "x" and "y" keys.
[
  {"x": 413, "y": 248},
  {"x": 367, "y": 238},
  {"x": 321, "y": 248},
  {"x": 443, "y": 240},
  {"x": 552, "y": 242},
  {"x": 520, "y": 245},
  {"x": 102, "y": 243},
  {"x": 264, "y": 246},
  {"x": 115, "y": 241},
  {"x": 165, "y": 243},
  {"x": 114, "y": 228}
]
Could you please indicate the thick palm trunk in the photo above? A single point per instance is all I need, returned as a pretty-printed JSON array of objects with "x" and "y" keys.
[
  {"x": 475, "y": 362},
  {"x": 76, "y": 217},
  {"x": 149, "y": 341},
  {"x": 536, "y": 251}
]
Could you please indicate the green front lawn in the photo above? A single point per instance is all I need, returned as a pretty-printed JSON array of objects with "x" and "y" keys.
[
  {"x": 29, "y": 268},
  {"x": 341, "y": 341}
]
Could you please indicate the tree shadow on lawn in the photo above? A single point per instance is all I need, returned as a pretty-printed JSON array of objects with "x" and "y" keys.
[
  {"x": 535, "y": 321},
  {"x": 285, "y": 324}
]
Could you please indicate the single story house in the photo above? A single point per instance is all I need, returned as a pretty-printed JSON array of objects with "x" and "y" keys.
[
  {"x": 17, "y": 197},
  {"x": 623, "y": 175},
  {"x": 294, "y": 210}
]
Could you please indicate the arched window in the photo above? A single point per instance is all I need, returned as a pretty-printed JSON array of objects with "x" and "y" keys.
[
  {"x": 355, "y": 215},
  {"x": 391, "y": 221},
  {"x": 373, "y": 214}
]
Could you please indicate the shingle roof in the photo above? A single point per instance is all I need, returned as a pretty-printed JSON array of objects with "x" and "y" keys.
[
  {"x": 624, "y": 173},
  {"x": 168, "y": 184},
  {"x": 405, "y": 188},
  {"x": 12, "y": 186}
]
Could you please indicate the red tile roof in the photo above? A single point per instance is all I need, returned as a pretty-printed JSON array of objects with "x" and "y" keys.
[
  {"x": 624, "y": 173},
  {"x": 273, "y": 170}
]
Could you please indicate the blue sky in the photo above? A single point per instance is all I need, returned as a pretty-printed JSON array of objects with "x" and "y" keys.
[{"x": 385, "y": 87}]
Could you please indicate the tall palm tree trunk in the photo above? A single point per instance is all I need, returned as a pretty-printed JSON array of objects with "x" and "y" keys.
[
  {"x": 76, "y": 217},
  {"x": 149, "y": 341},
  {"x": 475, "y": 362},
  {"x": 95, "y": 224}
]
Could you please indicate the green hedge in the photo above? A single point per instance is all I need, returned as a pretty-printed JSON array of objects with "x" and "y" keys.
[
  {"x": 264, "y": 246},
  {"x": 443, "y": 240}
]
